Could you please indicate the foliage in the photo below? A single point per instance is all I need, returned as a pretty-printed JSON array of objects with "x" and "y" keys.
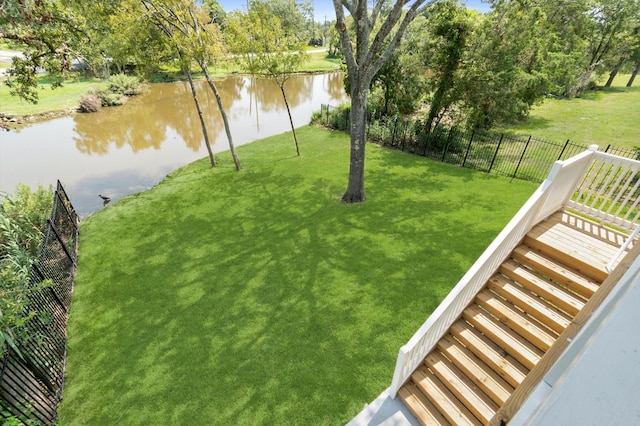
[
  {"x": 179, "y": 32},
  {"x": 52, "y": 34},
  {"x": 108, "y": 99},
  {"x": 264, "y": 46},
  {"x": 216, "y": 12},
  {"x": 276, "y": 303},
  {"x": 448, "y": 29},
  {"x": 124, "y": 85},
  {"x": 22, "y": 219},
  {"x": 293, "y": 17}
]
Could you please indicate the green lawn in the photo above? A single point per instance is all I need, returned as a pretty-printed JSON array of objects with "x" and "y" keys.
[
  {"x": 61, "y": 98},
  {"x": 607, "y": 116},
  {"x": 256, "y": 297}
]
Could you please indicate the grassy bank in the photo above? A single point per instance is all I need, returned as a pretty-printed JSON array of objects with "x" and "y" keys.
[
  {"x": 606, "y": 116},
  {"x": 256, "y": 297},
  {"x": 50, "y": 100}
]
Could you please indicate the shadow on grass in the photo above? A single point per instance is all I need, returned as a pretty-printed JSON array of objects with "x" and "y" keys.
[{"x": 256, "y": 297}]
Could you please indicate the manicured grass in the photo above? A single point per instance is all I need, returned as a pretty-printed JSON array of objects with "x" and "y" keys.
[
  {"x": 603, "y": 117},
  {"x": 256, "y": 297},
  {"x": 61, "y": 98},
  {"x": 321, "y": 61}
]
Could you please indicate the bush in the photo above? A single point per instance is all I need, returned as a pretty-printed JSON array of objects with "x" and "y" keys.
[
  {"x": 108, "y": 99},
  {"x": 90, "y": 102},
  {"x": 124, "y": 85},
  {"x": 22, "y": 219}
]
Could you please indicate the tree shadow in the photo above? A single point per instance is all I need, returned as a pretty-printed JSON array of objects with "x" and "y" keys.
[{"x": 259, "y": 298}]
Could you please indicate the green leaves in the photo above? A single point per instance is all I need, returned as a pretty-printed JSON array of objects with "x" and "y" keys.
[{"x": 21, "y": 223}]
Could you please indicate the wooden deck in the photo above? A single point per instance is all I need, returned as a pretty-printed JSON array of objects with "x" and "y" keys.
[{"x": 512, "y": 322}]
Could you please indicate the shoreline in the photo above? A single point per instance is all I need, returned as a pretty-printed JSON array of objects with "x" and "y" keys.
[{"x": 11, "y": 122}]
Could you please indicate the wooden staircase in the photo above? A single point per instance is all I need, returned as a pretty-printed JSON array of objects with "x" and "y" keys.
[{"x": 512, "y": 322}]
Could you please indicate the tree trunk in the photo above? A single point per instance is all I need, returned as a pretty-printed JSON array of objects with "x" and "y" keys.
[
  {"x": 612, "y": 76},
  {"x": 636, "y": 69},
  {"x": 223, "y": 113},
  {"x": 201, "y": 117},
  {"x": 293, "y": 129},
  {"x": 355, "y": 187}
]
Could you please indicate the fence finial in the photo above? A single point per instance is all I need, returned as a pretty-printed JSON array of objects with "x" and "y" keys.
[{"x": 593, "y": 147}]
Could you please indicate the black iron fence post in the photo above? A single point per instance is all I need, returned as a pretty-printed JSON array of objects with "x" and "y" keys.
[
  {"x": 495, "y": 154},
  {"x": 521, "y": 157},
  {"x": 563, "y": 148},
  {"x": 466, "y": 154},
  {"x": 446, "y": 145}
]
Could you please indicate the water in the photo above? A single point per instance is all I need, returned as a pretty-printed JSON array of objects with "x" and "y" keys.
[{"x": 130, "y": 148}]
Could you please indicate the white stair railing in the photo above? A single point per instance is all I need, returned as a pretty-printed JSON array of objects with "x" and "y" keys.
[
  {"x": 610, "y": 191},
  {"x": 551, "y": 196}
]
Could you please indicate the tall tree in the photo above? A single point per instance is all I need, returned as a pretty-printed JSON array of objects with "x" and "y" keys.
[
  {"x": 609, "y": 22},
  {"x": 373, "y": 46},
  {"x": 262, "y": 45},
  {"x": 295, "y": 16},
  {"x": 194, "y": 41},
  {"x": 449, "y": 26}
]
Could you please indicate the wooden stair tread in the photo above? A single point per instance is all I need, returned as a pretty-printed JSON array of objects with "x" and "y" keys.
[
  {"x": 473, "y": 367},
  {"x": 591, "y": 228},
  {"x": 420, "y": 406},
  {"x": 517, "y": 321},
  {"x": 529, "y": 303},
  {"x": 560, "y": 297},
  {"x": 495, "y": 357},
  {"x": 583, "y": 253},
  {"x": 482, "y": 407},
  {"x": 446, "y": 403},
  {"x": 515, "y": 345},
  {"x": 557, "y": 272},
  {"x": 478, "y": 365}
]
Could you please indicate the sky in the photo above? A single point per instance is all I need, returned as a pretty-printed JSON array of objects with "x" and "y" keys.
[{"x": 323, "y": 9}]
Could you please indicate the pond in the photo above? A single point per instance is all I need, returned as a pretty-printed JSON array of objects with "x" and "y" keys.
[{"x": 130, "y": 148}]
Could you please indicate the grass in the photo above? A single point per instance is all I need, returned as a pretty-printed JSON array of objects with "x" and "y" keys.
[
  {"x": 322, "y": 62},
  {"x": 256, "y": 297},
  {"x": 603, "y": 117},
  {"x": 50, "y": 100}
]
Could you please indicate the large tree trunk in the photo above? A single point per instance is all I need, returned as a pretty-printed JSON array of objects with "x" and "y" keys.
[
  {"x": 223, "y": 113},
  {"x": 636, "y": 69},
  {"x": 612, "y": 76},
  {"x": 355, "y": 187},
  {"x": 614, "y": 72}
]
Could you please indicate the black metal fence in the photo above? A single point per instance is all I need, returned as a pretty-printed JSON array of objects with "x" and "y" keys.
[
  {"x": 31, "y": 381},
  {"x": 525, "y": 158}
]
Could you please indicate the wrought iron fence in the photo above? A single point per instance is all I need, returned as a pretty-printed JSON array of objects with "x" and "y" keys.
[
  {"x": 527, "y": 158},
  {"x": 31, "y": 381}
]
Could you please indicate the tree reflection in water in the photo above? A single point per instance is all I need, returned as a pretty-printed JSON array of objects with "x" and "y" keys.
[{"x": 164, "y": 109}]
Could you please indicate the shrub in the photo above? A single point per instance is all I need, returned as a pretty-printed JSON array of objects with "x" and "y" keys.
[
  {"x": 22, "y": 219},
  {"x": 108, "y": 99},
  {"x": 124, "y": 85},
  {"x": 90, "y": 102}
]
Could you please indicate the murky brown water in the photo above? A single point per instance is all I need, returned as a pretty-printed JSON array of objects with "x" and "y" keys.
[{"x": 126, "y": 149}]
